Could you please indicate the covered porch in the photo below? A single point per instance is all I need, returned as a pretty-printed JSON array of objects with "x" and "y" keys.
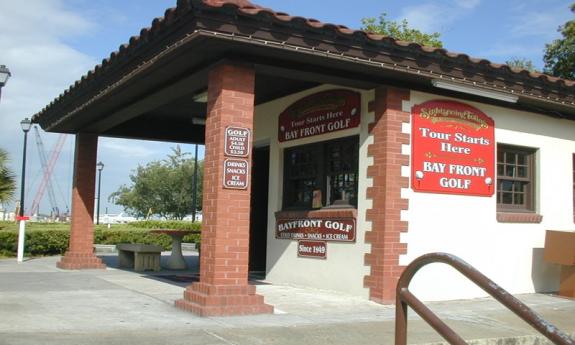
[{"x": 199, "y": 72}]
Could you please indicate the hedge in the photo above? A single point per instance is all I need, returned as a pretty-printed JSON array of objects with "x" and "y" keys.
[{"x": 55, "y": 241}]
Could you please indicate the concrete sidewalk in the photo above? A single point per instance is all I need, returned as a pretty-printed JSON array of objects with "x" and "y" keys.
[{"x": 40, "y": 304}]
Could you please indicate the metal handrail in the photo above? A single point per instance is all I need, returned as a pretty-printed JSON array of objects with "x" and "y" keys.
[{"x": 405, "y": 298}]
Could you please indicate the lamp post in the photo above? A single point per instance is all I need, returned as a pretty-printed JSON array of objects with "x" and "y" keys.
[
  {"x": 25, "y": 124},
  {"x": 4, "y": 76},
  {"x": 195, "y": 186},
  {"x": 100, "y": 167}
]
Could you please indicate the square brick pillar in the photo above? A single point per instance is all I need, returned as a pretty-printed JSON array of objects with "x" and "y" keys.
[
  {"x": 80, "y": 254},
  {"x": 385, "y": 214},
  {"x": 223, "y": 288}
]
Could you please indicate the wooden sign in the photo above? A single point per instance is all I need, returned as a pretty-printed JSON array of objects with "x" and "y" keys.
[
  {"x": 338, "y": 230},
  {"x": 236, "y": 173},
  {"x": 312, "y": 249},
  {"x": 320, "y": 113},
  {"x": 453, "y": 149},
  {"x": 237, "y": 141}
]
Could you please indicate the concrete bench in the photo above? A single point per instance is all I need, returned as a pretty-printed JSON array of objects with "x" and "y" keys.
[{"x": 140, "y": 257}]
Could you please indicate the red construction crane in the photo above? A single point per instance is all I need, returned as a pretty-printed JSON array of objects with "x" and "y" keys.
[{"x": 47, "y": 168}]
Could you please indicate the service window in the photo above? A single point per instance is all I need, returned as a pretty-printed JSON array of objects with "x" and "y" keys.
[
  {"x": 321, "y": 174},
  {"x": 515, "y": 178}
]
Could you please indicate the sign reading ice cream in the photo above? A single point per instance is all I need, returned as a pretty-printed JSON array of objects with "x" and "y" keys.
[
  {"x": 453, "y": 149},
  {"x": 320, "y": 113}
]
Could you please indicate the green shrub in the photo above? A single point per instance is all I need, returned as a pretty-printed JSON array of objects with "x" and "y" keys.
[
  {"x": 49, "y": 239},
  {"x": 166, "y": 224}
]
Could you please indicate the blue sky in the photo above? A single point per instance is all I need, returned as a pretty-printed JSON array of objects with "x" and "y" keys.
[{"x": 48, "y": 44}]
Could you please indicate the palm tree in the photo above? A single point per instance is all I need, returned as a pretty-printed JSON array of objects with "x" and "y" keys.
[{"x": 7, "y": 179}]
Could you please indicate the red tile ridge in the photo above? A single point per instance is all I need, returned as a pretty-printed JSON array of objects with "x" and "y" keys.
[{"x": 248, "y": 8}]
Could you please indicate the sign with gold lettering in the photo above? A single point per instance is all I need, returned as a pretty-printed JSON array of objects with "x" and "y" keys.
[
  {"x": 341, "y": 230},
  {"x": 320, "y": 113},
  {"x": 236, "y": 173},
  {"x": 453, "y": 149}
]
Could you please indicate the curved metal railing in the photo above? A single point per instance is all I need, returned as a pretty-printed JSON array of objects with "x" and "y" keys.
[{"x": 405, "y": 298}]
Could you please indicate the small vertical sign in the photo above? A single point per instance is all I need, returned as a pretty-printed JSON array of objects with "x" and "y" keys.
[{"x": 237, "y": 140}]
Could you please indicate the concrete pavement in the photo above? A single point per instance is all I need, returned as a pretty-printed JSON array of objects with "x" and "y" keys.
[{"x": 41, "y": 304}]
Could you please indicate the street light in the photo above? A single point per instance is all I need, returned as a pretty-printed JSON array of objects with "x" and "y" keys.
[
  {"x": 100, "y": 167},
  {"x": 4, "y": 75},
  {"x": 25, "y": 124}
]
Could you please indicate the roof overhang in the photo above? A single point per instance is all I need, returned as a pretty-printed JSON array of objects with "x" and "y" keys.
[{"x": 146, "y": 89}]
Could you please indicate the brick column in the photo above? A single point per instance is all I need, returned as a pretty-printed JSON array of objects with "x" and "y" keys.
[
  {"x": 385, "y": 215},
  {"x": 223, "y": 288},
  {"x": 80, "y": 254}
]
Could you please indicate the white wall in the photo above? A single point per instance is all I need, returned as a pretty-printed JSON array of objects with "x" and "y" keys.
[
  {"x": 344, "y": 268},
  {"x": 508, "y": 253}
]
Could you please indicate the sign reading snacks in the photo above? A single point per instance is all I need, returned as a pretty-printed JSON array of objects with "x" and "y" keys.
[
  {"x": 339, "y": 230},
  {"x": 236, "y": 173},
  {"x": 312, "y": 249},
  {"x": 320, "y": 113},
  {"x": 237, "y": 141},
  {"x": 453, "y": 149}
]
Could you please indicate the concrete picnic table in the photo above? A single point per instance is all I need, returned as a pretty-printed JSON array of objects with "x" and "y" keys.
[{"x": 176, "y": 260}]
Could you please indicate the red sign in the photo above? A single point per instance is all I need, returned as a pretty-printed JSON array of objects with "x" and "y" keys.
[
  {"x": 453, "y": 149},
  {"x": 340, "y": 230},
  {"x": 237, "y": 141},
  {"x": 236, "y": 173},
  {"x": 320, "y": 113},
  {"x": 312, "y": 249}
]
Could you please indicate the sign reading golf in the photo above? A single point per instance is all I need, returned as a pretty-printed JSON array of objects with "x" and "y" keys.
[{"x": 453, "y": 149}]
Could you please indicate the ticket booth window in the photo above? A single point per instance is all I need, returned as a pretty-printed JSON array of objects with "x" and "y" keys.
[
  {"x": 321, "y": 174},
  {"x": 515, "y": 178}
]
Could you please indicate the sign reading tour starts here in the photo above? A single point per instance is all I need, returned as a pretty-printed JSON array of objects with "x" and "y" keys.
[
  {"x": 320, "y": 113},
  {"x": 453, "y": 149}
]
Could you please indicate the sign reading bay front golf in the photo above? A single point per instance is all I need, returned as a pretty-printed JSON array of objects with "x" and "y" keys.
[
  {"x": 320, "y": 113},
  {"x": 453, "y": 149}
]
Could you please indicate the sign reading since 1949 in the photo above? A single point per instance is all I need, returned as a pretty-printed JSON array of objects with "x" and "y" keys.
[
  {"x": 312, "y": 249},
  {"x": 452, "y": 149},
  {"x": 236, "y": 173},
  {"x": 320, "y": 113},
  {"x": 340, "y": 230}
]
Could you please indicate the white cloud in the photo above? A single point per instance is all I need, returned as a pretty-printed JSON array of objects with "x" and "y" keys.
[
  {"x": 435, "y": 17},
  {"x": 539, "y": 23},
  {"x": 467, "y": 4},
  {"x": 126, "y": 148}
]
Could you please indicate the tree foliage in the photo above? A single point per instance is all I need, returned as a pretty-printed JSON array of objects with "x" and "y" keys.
[
  {"x": 162, "y": 188},
  {"x": 400, "y": 31},
  {"x": 560, "y": 54},
  {"x": 521, "y": 63},
  {"x": 7, "y": 179}
]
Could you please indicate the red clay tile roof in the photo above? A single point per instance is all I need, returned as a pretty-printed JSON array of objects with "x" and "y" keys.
[{"x": 247, "y": 8}]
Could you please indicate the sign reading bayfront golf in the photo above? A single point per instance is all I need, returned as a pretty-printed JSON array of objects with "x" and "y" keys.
[
  {"x": 453, "y": 149},
  {"x": 340, "y": 230},
  {"x": 320, "y": 113}
]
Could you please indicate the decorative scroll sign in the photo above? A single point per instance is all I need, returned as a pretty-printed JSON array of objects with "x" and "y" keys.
[
  {"x": 320, "y": 113},
  {"x": 340, "y": 230},
  {"x": 453, "y": 149}
]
